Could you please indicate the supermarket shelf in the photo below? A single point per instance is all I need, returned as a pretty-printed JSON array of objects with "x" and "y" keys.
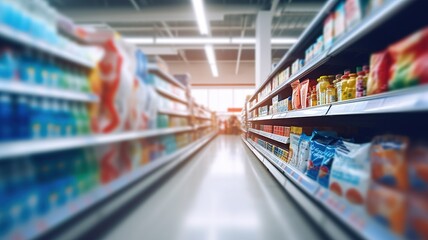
[
  {"x": 316, "y": 200},
  {"x": 412, "y": 99},
  {"x": 159, "y": 72},
  {"x": 24, "y": 39},
  {"x": 243, "y": 129},
  {"x": 370, "y": 23},
  {"x": 267, "y": 117},
  {"x": 11, "y": 86},
  {"x": 171, "y": 96},
  {"x": 310, "y": 66},
  {"x": 203, "y": 117},
  {"x": 42, "y": 225},
  {"x": 23, "y": 148},
  {"x": 196, "y": 127},
  {"x": 275, "y": 137},
  {"x": 173, "y": 112}
]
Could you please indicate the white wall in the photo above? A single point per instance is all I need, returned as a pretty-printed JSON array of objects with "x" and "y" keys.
[{"x": 201, "y": 73}]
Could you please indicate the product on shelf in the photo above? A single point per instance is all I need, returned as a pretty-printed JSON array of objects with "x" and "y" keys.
[
  {"x": 317, "y": 145},
  {"x": 350, "y": 173},
  {"x": 339, "y": 19},
  {"x": 303, "y": 152},
  {"x": 389, "y": 161},
  {"x": 353, "y": 12},
  {"x": 328, "y": 30},
  {"x": 305, "y": 88},
  {"x": 326, "y": 164},
  {"x": 296, "y": 95},
  {"x": 418, "y": 166},
  {"x": 417, "y": 220}
]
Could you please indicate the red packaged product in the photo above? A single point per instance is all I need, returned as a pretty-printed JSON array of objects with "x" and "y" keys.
[
  {"x": 295, "y": 102},
  {"x": 305, "y": 92},
  {"x": 379, "y": 73}
]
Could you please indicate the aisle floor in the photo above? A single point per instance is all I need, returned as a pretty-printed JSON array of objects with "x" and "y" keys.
[{"x": 223, "y": 192}]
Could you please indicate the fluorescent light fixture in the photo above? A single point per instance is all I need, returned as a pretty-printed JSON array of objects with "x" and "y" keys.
[
  {"x": 184, "y": 41},
  {"x": 198, "y": 8},
  {"x": 283, "y": 40},
  {"x": 209, "y": 52},
  {"x": 140, "y": 40},
  {"x": 243, "y": 41}
]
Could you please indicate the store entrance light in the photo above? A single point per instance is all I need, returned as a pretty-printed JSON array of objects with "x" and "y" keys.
[{"x": 198, "y": 8}]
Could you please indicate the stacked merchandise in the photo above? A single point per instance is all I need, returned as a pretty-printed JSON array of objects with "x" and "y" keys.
[
  {"x": 385, "y": 176},
  {"x": 401, "y": 65}
]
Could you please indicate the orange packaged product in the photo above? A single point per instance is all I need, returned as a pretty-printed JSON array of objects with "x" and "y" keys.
[
  {"x": 388, "y": 157},
  {"x": 417, "y": 217},
  {"x": 388, "y": 206},
  {"x": 295, "y": 101},
  {"x": 418, "y": 166}
]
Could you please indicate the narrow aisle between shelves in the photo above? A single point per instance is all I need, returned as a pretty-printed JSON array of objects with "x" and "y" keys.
[{"x": 223, "y": 192}]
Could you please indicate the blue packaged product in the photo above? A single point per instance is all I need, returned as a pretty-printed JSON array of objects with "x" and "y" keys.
[
  {"x": 5, "y": 216},
  {"x": 22, "y": 117},
  {"x": 324, "y": 171},
  {"x": 303, "y": 152},
  {"x": 27, "y": 69},
  {"x": 36, "y": 118},
  {"x": 319, "y": 142},
  {"x": 7, "y": 64},
  {"x": 6, "y": 117}
]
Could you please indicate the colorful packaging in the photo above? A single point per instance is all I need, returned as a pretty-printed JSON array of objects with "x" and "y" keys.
[
  {"x": 318, "y": 144},
  {"x": 325, "y": 169},
  {"x": 388, "y": 206},
  {"x": 294, "y": 149},
  {"x": 409, "y": 57},
  {"x": 417, "y": 218},
  {"x": 379, "y": 73},
  {"x": 350, "y": 172},
  {"x": 339, "y": 19},
  {"x": 418, "y": 167},
  {"x": 303, "y": 152},
  {"x": 328, "y": 30},
  {"x": 353, "y": 12},
  {"x": 305, "y": 88},
  {"x": 389, "y": 161},
  {"x": 296, "y": 95}
]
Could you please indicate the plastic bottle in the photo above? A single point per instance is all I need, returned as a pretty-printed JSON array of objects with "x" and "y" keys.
[
  {"x": 27, "y": 66},
  {"x": 7, "y": 65},
  {"x": 343, "y": 87},
  {"x": 321, "y": 89},
  {"x": 22, "y": 117},
  {"x": 351, "y": 86},
  {"x": 360, "y": 88},
  {"x": 313, "y": 101},
  {"x": 6, "y": 117}
]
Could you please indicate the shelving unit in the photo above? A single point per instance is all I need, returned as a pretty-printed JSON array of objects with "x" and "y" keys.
[
  {"x": 15, "y": 87},
  {"x": 275, "y": 137},
  {"x": 369, "y": 116},
  {"x": 23, "y": 39},
  {"x": 42, "y": 225}
]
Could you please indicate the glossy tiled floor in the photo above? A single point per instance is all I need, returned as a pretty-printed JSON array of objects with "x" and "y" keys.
[{"x": 223, "y": 192}]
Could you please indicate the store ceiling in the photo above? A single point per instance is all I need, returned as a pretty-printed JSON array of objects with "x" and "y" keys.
[{"x": 175, "y": 18}]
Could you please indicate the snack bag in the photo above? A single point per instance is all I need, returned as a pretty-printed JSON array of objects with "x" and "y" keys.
[
  {"x": 319, "y": 142},
  {"x": 350, "y": 172},
  {"x": 388, "y": 206},
  {"x": 325, "y": 169},
  {"x": 303, "y": 152},
  {"x": 418, "y": 167},
  {"x": 296, "y": 95},
  {"x": 417, "y": 218},
  {"x": 113, "y": 106},
  {"x": 294, "y": 149},
  {"x": 409, "y": 57},
  {"x": 109, "y": 162},
  {"x": 379, "y": 73},
  {"x": 388, "y": 156},
  {"x": 305, "y": 88}
]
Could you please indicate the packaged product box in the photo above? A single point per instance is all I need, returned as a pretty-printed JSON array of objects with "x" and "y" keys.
[
  {"x": 339, "y": 19},
  {"x": 287, "y": 131},
  {"x": 296, "y": 95},
  {"x": 350, "y": 172},
  {"x": 388, "y": 206},
  {"x": 417, "y": 216},
  {"x": 388, "y": 155},
  {"x": 305, "y": 88},
  {"x": 303, "y": 152},
  {"x": 380, "y": 64},
  {"x": 286, "y": 73},
  {"x": 325, "y": 168},
  {"x": 409, "y": 59},
  {"x": 293, "y": 149},
  {"x": 418, "y": 166},
  {"x": 295, "y": 67},
  {"x": 328, "y": 31},
  {"x": 353, "y": 12}
]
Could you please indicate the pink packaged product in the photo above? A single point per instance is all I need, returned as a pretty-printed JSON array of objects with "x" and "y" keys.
[
  {"x": 295, "y": 102},
  {"x": 305, "y": 90},
  {"x": 339, "y": 19},
  {"x": 328, "y": 31},
  {"x": 353, "y": 12}
]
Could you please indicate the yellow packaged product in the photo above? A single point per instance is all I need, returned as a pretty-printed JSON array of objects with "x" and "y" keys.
[
  {"x": 351, "y": 86},
  {"x": 322, "y": 89},
  {"x": 344, "y": 87}
]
